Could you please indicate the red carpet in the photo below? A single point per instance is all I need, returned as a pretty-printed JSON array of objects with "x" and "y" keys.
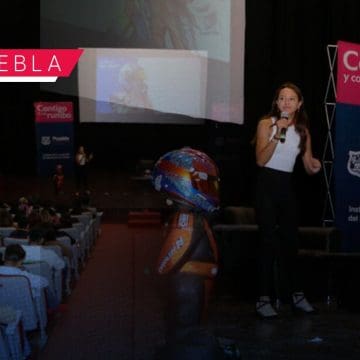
[{"x": 115, "y": 310}]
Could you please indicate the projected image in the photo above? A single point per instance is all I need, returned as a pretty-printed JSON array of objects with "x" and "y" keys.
[
  {"x": 123, "y": 83},
  {"x": 141, "y": 81},
  {"x": 177, "y": 24},
  {"x": 165, "y": 24}
]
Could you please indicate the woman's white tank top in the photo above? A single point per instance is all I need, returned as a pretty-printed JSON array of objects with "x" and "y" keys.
[{"x": 285, "y": 154}]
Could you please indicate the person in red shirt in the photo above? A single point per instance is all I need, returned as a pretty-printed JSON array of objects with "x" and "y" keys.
[{"x": 58, "y": 179}]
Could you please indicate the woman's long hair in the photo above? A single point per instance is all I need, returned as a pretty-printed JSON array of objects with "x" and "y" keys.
[{"x": 301, "y": 120}]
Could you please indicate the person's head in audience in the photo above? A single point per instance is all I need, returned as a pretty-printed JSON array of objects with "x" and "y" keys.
[
  {"x": 65, "y": 220},
  {"x": 6, "y": 219},
  {"x": 86, "y": 198},
  {"x": 36, "y": 236},
  {"x": 34, "y": 218},
  {"x": 14, "y": 255},
  {"x": 23, "y": 201},
  {"x": 49, "y": 236},
  {"x": 22, "y": 222},
  {"x": 62, "y": 205},
  {"x": 24, "y": 205},
  {"x": 4, "y": 205},
  {"x": 45, "y": 216}
]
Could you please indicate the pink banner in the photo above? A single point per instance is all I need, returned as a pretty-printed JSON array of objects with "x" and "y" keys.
[
  {"x": 38, "y": 62},
  {"x": 48, "y": 112},
  {"x": 348, "y": 73}
]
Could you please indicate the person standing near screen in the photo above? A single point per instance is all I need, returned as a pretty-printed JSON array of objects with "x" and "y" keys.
[
  {"x": 81, "y": 161},
  {"x": 281, "y": 136}
]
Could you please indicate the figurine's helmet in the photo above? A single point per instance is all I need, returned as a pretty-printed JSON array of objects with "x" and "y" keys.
[{"x": 190, "y": 176}]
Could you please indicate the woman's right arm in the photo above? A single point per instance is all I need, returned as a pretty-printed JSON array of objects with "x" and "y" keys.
[{"x": 265, "y": 146}]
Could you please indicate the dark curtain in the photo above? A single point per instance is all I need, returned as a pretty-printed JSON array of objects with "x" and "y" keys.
[
  {"x": 286, "y": 40},
  {"x": 19, "y": 28}
]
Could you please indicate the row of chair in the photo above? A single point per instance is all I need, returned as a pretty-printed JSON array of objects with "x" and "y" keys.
[
  {"x": 13, "y": 341},
  {"x": 15, "y": 291}
]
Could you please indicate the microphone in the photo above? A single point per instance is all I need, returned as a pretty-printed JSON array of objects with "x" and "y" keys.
[{"x": 283, "y": 115}]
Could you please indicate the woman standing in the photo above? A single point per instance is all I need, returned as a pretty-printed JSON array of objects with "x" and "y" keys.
[{"x": 281, "y": 136}]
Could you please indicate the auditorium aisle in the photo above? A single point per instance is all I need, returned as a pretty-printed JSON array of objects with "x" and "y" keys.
[{"x": 115, "y": 310}]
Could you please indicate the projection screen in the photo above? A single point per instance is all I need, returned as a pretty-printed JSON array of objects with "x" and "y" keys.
[{"x": 153, "y": 61}]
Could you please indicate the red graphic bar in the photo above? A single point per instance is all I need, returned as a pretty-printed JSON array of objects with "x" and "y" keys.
[{"x": 38, "y": 62}]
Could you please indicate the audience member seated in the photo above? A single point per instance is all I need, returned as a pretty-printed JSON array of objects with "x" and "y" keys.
[
  {"x": 50, "y": 239},
  {"x": 13, "y": 260},
  {"x": 5, "y": 205},
  {"x": 22, "y": 230},
  {"x": 36, "y": 252},
  {"x": 24, "y": 206},
  {"x": 81, "y": 204},
  {"x": 6, "y": 219},
  {"x": 47, "y": 222},
  {"x": 34, "y": 218},
  {"x": 86, "y": 202},
  {"x": 49, "y": 215},
  {"x": 66, "y": 220}
]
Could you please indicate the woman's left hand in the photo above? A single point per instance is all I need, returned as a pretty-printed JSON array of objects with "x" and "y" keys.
[{"x": 315, "y": 165}]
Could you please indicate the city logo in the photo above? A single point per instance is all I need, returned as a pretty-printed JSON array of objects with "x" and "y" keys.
[
  {"x": 45, "y": 140},
  {"x": 353, "y": 164}
]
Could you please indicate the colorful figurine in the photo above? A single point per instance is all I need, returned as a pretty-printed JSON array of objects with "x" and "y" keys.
[{"x": 189, "y": 254}]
